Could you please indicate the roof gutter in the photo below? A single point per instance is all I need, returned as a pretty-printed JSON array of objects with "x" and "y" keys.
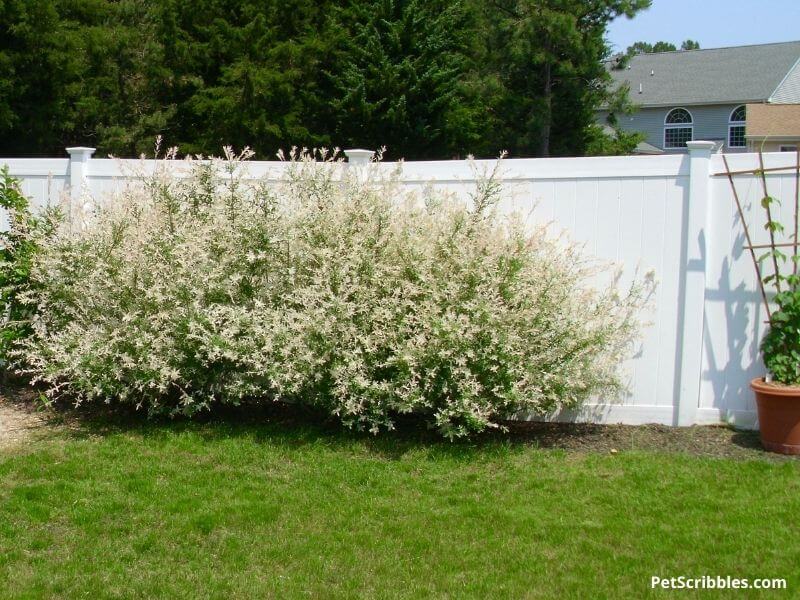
[
  {"x": 673, "y": 104},
  {"x": 773, "y": 138}
]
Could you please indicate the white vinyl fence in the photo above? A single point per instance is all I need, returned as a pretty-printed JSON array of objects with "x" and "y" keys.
[{"x": 671, "y": 213}]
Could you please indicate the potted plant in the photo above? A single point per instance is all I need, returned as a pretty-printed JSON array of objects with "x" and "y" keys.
[{"x": 777, "y": 393}]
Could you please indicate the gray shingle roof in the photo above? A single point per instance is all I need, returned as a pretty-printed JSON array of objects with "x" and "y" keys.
[
  {"x": 717, "y": 75},
  {"x": 645, "y": 148}
]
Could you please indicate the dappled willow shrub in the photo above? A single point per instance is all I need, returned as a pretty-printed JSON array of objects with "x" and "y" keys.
[{"x": 326, "y": 288}]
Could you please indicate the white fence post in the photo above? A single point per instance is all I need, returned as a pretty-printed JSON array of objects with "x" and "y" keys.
[
  {"x": 357, "y": 156},
  {"x": 78, "y": 169},
  {"x": 698, "y": 221}
]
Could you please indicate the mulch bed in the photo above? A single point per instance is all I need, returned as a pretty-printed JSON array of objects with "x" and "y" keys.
[{"x": 709, "y": 440}]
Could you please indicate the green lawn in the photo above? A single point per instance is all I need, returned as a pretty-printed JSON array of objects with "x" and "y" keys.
[{"x": 237, "y": 510}]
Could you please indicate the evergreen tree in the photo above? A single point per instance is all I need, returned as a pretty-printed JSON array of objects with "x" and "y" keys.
[
  {"x": 545, "y": 71},
  {"x": 646, "y": 48},
  {"x": 83, "y": 71},
  {"x": 248, "y": 73},
  {"x": 401, "y": 79},
  {"x": 426, "y": 78}
]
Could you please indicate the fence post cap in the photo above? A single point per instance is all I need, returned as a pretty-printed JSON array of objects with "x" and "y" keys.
[
  {"x": 359, "y": 156},
  {"x": 80, "y": 151}
]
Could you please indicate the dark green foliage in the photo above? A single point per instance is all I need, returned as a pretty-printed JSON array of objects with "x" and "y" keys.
[
  {"x": 543, "y": 71},
  {"x": 781, "y": 346},
  {"x": 428, "y": 79},
  {"x": 401, "y": 80},
  {"x": 647, "y": 48},
  {"x": 601, "y": 142},
  {"x": 81, "y": 71},
  {"x": 249, "y": 73}
]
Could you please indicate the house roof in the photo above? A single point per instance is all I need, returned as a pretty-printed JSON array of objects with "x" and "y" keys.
[
  {"x": 773, "y": 120},
  {"x": 714, "y": 76},
  {"x": 645, "y": 148}
]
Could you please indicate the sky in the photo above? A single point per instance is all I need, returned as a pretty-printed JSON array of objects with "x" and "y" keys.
[{"x": 713, "y": 23}]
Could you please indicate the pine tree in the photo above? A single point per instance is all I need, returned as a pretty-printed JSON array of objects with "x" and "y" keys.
[
  {"x": 400, "y": 81},
  {"x": 545, "y": 72}
]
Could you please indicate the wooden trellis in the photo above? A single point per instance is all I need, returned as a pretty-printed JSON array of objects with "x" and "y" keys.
[{"x": 766, "y": 202}]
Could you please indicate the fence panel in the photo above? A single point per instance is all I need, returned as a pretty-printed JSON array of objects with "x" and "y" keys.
[{"x": 674, "y": 214}]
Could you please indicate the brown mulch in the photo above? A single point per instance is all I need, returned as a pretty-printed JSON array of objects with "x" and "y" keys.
[
  {"x": 22, "y": 419},
  {"x": 718, "y": 441}
]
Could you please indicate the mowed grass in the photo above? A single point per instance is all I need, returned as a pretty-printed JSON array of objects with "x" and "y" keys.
[{"x": 276, "y": 509}]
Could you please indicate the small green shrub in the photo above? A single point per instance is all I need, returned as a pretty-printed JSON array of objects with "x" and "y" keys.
[
  {"x": 18, "y": 246},
  {"x": 326, "y": 288},
  {"x": 781, "y": 346}
]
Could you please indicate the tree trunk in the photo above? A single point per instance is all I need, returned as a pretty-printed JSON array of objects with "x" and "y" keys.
[{"x": 547, "y": 113}]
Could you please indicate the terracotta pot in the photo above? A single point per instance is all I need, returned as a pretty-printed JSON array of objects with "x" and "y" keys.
[{"x": 778, "y": 416}]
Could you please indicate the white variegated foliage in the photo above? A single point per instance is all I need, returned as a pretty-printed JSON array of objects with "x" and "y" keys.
[{"x": 330, "y": 288}]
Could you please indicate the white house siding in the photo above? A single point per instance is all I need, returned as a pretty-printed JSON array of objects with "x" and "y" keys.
[
  {"x": 788, "y": 91},
  {"x": 710, "y": 123}
]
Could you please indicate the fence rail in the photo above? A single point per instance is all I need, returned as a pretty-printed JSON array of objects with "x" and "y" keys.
[{"x": 672, "y": 213}]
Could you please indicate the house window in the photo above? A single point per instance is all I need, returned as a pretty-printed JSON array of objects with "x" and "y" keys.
[
  {"x": 678, "y": 128},
  {"x": 736, "y": 128},
  {"x": 788, "y": 148}
]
